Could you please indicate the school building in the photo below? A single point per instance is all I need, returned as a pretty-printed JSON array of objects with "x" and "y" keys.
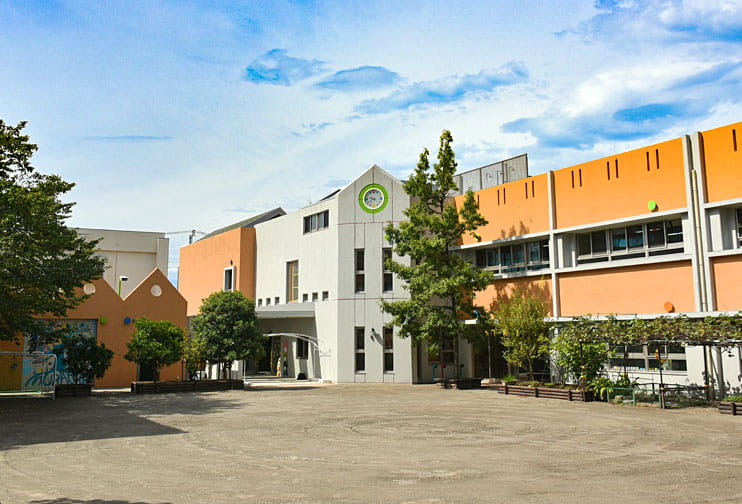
[
  {"x": 649, "y": 232},
  {"x": 134, "y": 285},
  {"x": 654, "y": 231}
]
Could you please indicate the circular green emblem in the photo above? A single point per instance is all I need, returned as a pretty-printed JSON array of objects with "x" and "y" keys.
[{"x": 373, "y": 198}]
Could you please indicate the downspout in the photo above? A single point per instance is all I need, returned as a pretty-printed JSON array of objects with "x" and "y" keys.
[{"x": 699, "y": 252}]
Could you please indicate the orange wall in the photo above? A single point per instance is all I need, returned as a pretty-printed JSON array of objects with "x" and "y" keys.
[
  {"x": 631, "y": 289},
  {"x": 600, "y": 199},
  {"x": 539, "y": 287},
  {"x": 727, "y": 276},
  {"x": 513, "y": 209},
  {"x": 202, "y": 266},
  {"x": 106, "y": 305},
  {"x": 723, "y": 165}
]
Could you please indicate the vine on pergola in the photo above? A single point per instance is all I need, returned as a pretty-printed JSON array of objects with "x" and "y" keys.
[{"x": 718, "y": 330}]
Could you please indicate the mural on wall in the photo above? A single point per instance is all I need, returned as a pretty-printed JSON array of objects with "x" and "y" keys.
[{"x": 41, "y": 371}]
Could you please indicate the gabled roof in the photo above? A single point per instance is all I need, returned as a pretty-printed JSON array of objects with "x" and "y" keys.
[
  {"x": 349, "y": 184},
  {"x": 249, "y": 222}
]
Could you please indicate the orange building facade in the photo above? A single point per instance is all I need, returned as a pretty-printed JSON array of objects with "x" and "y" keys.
[
  {"x": 221, "y": 260},
  {"x": 648, "y": 232}
]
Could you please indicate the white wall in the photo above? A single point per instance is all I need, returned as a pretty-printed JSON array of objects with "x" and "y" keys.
[
  {"x": 362, "y": 230},
  {"x": 327, "y": 263},
  {"x": 282, "y": 240},
  {"x": 134, "y": 254}
]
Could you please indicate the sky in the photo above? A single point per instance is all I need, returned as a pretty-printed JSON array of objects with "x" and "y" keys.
[{"x": 178, "y": 115}]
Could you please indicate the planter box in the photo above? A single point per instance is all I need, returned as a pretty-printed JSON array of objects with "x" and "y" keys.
[
  {"x": 148, "y": 387},
  {"x": 730, "y": 408},
  {"x": 72, "y": 390},
  {"x": 548, "y": 392},
  {"x": 459, "y": 383}
]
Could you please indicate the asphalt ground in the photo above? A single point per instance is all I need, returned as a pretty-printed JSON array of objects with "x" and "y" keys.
[{"x": 362, "y": 443}]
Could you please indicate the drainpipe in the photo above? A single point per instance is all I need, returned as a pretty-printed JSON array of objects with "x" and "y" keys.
[{"x": 699, "y": 241}]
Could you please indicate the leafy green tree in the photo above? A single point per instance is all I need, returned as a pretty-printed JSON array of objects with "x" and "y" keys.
[
  {"x": 194, "y": 353},
  {"x": 228, "y": 325},
  {"x": 582, "y": 359},
  {"x": 155, "y": 343},
  {"x": 525, "y": 333},
  {"x": 42, "y": 261},
  {"x": 441, "y": 283},
  {"x": 84, "y": 357}
]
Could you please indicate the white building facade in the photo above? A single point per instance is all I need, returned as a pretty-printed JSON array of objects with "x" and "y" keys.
[
  {"x": 130, "y": 254},
  {"x": 320, "y": 278}
]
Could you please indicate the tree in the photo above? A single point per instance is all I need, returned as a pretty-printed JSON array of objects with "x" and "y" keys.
[
  {"x": 155, "y": 343},
  {"x": 581, "y": 358},
  {"x": 42, "y": 262},
  {"x": 194, "y": 353},
  {"x": 84, "y": 357},
  {"x": 525, "y": 333},
  {"x": 228, "y": 325},
  {"x": 441, "y": 283}
]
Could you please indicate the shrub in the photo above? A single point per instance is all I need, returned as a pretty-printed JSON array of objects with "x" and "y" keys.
[
  {"x": 84, "y": 357},
  {"x": 733, "y": 398},
  {"x": 156, "y": 343}
]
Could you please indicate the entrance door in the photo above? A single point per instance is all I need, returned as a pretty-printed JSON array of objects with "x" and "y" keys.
[
  {"x": 146, "y": 373},
  {"x": 264, "y": 364}
]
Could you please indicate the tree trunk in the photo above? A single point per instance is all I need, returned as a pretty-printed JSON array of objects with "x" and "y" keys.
[
  {"x": 530, "y": 369},
  {"x": 456, "y": 356}
]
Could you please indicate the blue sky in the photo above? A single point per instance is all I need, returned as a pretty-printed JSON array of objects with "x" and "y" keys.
[{"x": 179, "y": 115}]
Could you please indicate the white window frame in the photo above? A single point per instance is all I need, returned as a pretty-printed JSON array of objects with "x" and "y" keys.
[{"x": 232, "y": 271}]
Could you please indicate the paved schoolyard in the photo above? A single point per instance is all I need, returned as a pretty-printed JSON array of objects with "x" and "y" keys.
[{"x": 363, "y": 443}]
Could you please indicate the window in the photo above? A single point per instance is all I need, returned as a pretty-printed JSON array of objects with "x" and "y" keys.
[
  {"x": 739, "y": 227},
  {"x": 639, "y": 240},
  {"x": 317, "y": 221},
  {"x": 360, "y": 268},
  {"x": 229, "y": 278},
  {"x": 644, "y": 357},
  {"x": 388, "y": 349},
  {"x": 315, "y": 297},
  {"x": 447, "y": 352},
  {"x": 636, "y": 236},
  {"x": 325, "y": 295},
  {"x": 304, "y": 298},
  {"x": 276, "y": 300},
  {"x": 302, "y": 349},
  {"x": 260, "y": 302},
  {"x": 388, "y": 280},
  {"x": 513, "y": 258},
  {"x": 292, "y": 282},
  {"x": 656, "y": 234},
  {"x": 360, "y": 349},
  {"x": 267, "y": 301}
]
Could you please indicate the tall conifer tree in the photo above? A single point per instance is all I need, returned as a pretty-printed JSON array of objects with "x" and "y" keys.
[{"x": 441, "y": 283}]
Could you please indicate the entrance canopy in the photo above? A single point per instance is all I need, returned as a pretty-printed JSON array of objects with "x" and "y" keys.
[
  {"x": 285, "y": 311},
  {"x": 303, "y": 337}
]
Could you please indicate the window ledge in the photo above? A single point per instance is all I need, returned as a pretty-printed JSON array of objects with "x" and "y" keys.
[
  {"x": 640, "y": 261},
  {"x": 727, "y": 252}
]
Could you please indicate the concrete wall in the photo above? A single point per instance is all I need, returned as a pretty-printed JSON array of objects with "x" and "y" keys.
[
  {"x": 722, "y": 149},
  {"x": 155, "y": 298},
  {"x": 326, "y": 259},
  {"x": 695, "y": 179},
  {"x": 202, "y": 266},
  {"x": 129, "y": 253}
]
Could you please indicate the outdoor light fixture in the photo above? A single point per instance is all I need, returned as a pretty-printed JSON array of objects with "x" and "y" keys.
[
  {"x": 122, "y": 279},
  {"x": 373, "y": 334}
]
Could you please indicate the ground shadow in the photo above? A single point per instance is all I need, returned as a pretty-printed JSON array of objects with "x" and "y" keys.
[
  {"x": 273, "y": 388},
  {"x": 110, "y": 415},
  {"x": 66, "y": 500}
]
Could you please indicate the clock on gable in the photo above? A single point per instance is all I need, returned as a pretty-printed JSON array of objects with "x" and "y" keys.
[{"x": 373, "y": 198}]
